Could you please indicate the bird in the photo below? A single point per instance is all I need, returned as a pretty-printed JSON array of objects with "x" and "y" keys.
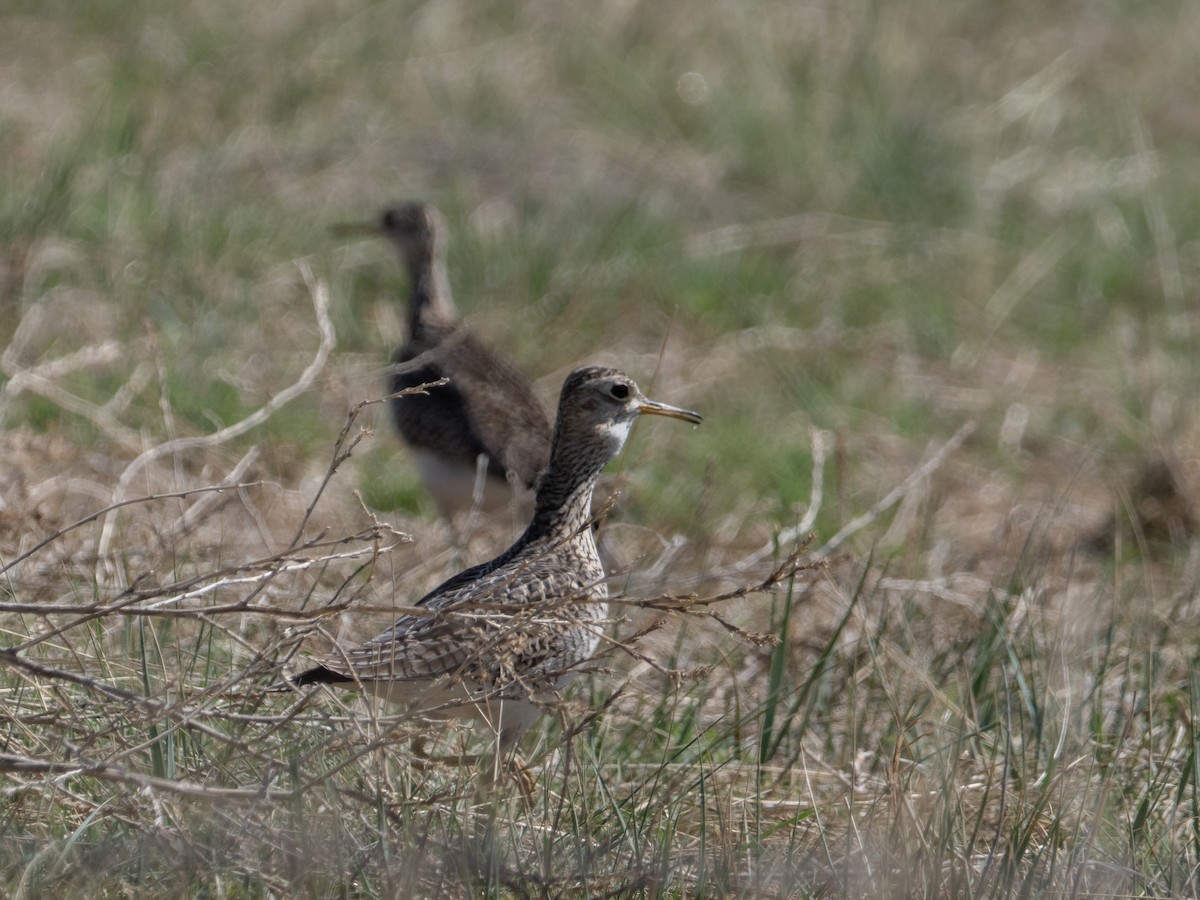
[
  {"x": 498, "y": 642},
  {"x": 487, "y": 418}
]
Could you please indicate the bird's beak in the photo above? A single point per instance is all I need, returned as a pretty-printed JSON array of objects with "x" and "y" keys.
[
  {"x": 654, "y": 408},
  {"x": 355, "y": 229}
]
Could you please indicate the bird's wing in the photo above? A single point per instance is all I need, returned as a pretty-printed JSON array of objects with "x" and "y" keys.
[
  {"x": 512, "y": 620},
  {"x": 504, "y": 411},
  {"x": 438, "y": 421}
]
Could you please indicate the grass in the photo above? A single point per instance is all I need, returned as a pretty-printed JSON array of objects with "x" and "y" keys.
[{"x": 838, "y": 232}]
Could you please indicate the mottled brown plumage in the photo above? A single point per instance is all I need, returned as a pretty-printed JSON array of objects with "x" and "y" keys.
[
  {"x": 503, "y": 638},
  {"x": 487, "y": 410}
]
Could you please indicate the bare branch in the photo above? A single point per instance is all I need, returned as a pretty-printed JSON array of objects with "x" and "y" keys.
[
  {"x": 15, "y": 763},
  {"x": 92, "y": 517},
  {"x": 320, "y": 299}
]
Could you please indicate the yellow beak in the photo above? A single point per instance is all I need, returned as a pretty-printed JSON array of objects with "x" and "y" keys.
[{"x": 654, "y": 408}]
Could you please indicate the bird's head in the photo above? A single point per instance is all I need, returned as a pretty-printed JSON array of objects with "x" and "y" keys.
[{"x": 597, "y": 409}]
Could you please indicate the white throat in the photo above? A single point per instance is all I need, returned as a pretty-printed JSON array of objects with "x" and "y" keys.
[{"x": 617, "y": 433}]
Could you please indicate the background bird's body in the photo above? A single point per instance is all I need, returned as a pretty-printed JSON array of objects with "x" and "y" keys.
[
  {"x": 486, "y": 410},
  {"x": 503, "y": 638},
  {"x": 487, "y": 420}
]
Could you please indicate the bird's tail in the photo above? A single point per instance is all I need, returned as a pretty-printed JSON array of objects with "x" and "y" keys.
[{"x": 315, "y": 675}]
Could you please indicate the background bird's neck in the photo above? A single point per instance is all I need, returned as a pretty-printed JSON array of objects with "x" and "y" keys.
[{"x": 430, "y": 302}]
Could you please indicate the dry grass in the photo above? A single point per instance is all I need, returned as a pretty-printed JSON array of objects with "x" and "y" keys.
[{"x": 841, "y": 232}]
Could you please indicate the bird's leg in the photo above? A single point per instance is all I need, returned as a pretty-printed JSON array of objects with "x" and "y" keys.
[
  {"x": 423, "y": 761},
  {"x": 465, "y": 524},
  {"x": 480, "y": 487},
  {"x": 511, "y": 763},
  {"x": 506, "y": 758},
  {"x": 523, "y": 775}
]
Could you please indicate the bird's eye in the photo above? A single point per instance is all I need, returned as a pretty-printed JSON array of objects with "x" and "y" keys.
[{"x": 620, "y": 391}]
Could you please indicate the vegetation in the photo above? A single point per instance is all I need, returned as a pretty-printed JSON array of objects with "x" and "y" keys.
[{"x": 929, "y": 272}]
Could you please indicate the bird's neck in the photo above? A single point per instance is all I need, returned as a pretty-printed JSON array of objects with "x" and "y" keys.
[
  {"x": 564, "y": 503},
  {"x": 430, "y": 303}
]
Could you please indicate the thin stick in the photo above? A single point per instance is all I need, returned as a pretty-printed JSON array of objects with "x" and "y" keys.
[
  {"x": 12, "y": 762},
  {"x": 320, "y": 299},
  {"x": 797, "y": 532},
  {"x": 343, "y": 447},
  {"x": 899, "y": 491},
  {"x": 149, "y": 498}
]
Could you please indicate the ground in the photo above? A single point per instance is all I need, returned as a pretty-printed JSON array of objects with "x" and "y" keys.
[{"x": 913, "y": 612}]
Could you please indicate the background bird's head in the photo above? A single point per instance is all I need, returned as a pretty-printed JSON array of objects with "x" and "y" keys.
[{"x": 415, "y": 229}]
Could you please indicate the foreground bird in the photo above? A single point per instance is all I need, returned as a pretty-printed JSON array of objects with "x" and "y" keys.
[
  {"x": 502, "y": 639},
  {"x": 487, "y": 410}
]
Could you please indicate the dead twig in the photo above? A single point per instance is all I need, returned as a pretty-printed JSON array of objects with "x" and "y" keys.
[
  {"x": 894, "y": 496},
  {"x": 132, "y": 501},
  {"x": 320, "y": 299},
  {"x": 344, "y": 446},
  {"x": 18, "y": 764}
]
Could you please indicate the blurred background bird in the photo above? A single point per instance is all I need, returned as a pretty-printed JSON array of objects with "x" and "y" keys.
[{"x": 481, "y": 439}]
